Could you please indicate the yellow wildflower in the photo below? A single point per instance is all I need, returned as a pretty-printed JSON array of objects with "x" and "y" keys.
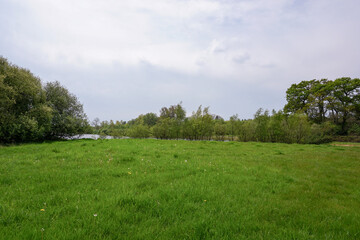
[{"x": 42, "y": 210}]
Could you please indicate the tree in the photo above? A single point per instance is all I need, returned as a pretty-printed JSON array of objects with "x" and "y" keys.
[
  {"x": 220, "y": 129},
  {"x": 318, "y": 99},
  {"x": 262, "y": 120},
  {"x": 139, "y": 131},
  {"x": 173, "y": 117},
  {"x": 297, "y": 128},
  {"x": 323, "y": 100},
  {"x": 200, "y": 125},
  {"x": 68, "y": 114},
  {"x": 233, "y": 126},
  {"x": 96, "y": 123},
  {"x": 246, "y": 130},
  {"x": 276, "y": 126},
  {"x": 345, "y": 98},
  {"x": 150, "y": 119},
  {"x": 24, "y": 114},
  {"x": 297, "y": 97}
]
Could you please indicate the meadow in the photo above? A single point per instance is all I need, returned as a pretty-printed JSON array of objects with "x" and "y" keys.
[{"x": 175, "y": 189}]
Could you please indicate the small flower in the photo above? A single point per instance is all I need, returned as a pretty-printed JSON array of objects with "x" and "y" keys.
[
  {"x": 42, "y": 210},
  {"x": 204, "y": 200},
  {"x": 129, "y": 173},
  {"x": 185, "y": 160},
  {"x": 42, "y": 229},
  {"x": 95, "y": 215}
]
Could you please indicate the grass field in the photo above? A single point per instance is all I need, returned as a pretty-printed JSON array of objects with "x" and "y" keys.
[{"x": 159, "y": 189}]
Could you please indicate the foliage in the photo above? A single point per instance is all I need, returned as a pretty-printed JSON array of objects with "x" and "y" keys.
[
  {"x": 316, "y": 111},
  {"x": 68, "y": 115},
  {"x": 139, "y": 131},
  {"x": 31, "y": 112},
  {"x": 324, "y": 100}
]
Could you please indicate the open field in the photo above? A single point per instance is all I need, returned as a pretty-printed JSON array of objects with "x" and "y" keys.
[{"x": 159, "y": 189}]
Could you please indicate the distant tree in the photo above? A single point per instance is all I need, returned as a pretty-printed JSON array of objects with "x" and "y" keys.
[
  {"x": 200, "y": 126},
  {"x": 174, "y": 111},
  {"x": 276, "y": 126},
  {"x": 173, "y": 119},
  {"x": 262, "y": 119},
  {"x": 139, "y": 131},
  {"x": 318, "y": 100},
  {"x": 150, "y": 119},
  {"x": 323, "y": 100},
  {"x": 220, "y": 129},
  {"x": 233, "y": 126},
  {"x": 96, "y": 123},
  {"x": 297, "y": 97},
  {"x": 162, "y": 129},
  {"x": 345, "y": 99},
  {"x": 246, "y": 130},
  {"x": 297, "y": 128}
]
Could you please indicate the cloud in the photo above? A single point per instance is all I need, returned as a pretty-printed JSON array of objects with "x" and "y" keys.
[{"x": 156, "y": 53}]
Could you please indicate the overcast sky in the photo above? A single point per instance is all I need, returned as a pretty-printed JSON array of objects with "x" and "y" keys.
[{"x": 122, "y": 58}]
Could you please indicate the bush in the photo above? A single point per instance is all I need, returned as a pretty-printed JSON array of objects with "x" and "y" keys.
[{"x": 139, "y": 131}]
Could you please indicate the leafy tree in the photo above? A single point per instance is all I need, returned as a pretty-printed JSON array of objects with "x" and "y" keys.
[
  {"x": 261, "y": 120},
  {"x": 174, "y": 111},
  {"x": 297, "y": 97},
  {"x": 162, "y": 128},
  {"x": 323, "y": 100},
  {"x": 276, "y": 126},
  {"x": 233, "y": 126},
  {"x": 200, "y": 125},
  {"x": 297, "y": 128},
  {"x": 318, "y": 98},
  {"x": 24, "y": 115},
  {"x": 150, "y": 119},
  {"x": 246, "y": 130},
  {"x": 220, "y": 129},
  {"x": 172, "y": 118},
  {"x": 345, "y": 96},
  {"x": 68, "y": 114},
  {"x": 139, "y": 131}
]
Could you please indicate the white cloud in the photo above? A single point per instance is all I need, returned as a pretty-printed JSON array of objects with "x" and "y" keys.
[
  {"x": 217, "y": 46},
  {"x": 169, "y": 34}
]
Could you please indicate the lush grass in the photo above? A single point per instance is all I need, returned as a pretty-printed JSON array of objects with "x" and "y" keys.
[{"x": 154, "y": 189}]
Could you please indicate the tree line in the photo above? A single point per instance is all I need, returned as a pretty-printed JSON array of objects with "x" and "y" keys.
[
  {"x": 294, "y": 124},
  {"x": 31, "y": 111},
  {"x": 316, "y": 111}
]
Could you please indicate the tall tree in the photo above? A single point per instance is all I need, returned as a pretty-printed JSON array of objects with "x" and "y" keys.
[
  {"x": 68, "y": 114},
  {"x": 24, "y": 115},
  {"x": 297, "y": 97},
  {"x": 345, "y": 96}
]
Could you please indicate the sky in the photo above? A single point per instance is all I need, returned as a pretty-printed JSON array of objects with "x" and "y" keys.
[{"x": 130, "y": 57}]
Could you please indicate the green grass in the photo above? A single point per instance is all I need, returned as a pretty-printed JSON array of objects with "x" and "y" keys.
[{"x": 157, "y": 189}]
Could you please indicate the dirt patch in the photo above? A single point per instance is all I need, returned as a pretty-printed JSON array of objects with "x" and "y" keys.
[{"x": 345, "y": 145}]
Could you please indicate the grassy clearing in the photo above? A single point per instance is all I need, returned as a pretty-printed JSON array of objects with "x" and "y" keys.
[{"x": 154, "y": 189}]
